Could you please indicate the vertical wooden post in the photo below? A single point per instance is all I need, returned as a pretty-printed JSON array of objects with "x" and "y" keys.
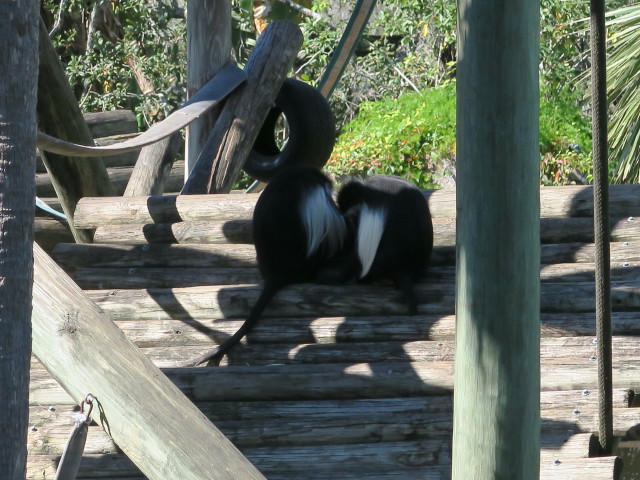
[
  {"x": 497, "y": 379},
  {"x": 18, "y": 74},
  {"x": 208, "y": 50}
]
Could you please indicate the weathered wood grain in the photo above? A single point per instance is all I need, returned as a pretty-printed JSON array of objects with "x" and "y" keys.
[
  {"x": 72, "y": 256},
  {"x": 155, "y": 255},
  {"x": 322, "y": 330},
  {"x": 49, "y": 232},
  {"x": 557, "y": 202},
  {"x": 207, "y": 53},
  {"x": 88, "y": 354},
  {"x": 114, "y": 122},
  {"x": 312, "y": 300},
  {"x": 229, "y": 142},
  {"x": 149, "y": 277},
  {"x": 136, "y": 277},
  {"x": 552, "y": 230},
  {"x": 426, "y": 459},
  {"x": 341, "y": 381},
  {"x": 59, "y": 115},
  {"x": 119, "y": 177},
  {"x": 97, "y": 211},
  {"x": 152, "y": 169},
  {"x": 397, "y": 423}
]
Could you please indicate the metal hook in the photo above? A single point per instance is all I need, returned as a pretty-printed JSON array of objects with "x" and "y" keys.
[{"x": 89, "y": 401}]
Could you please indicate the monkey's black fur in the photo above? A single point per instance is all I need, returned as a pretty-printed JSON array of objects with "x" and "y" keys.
[
  {"x": 390, "y": 232},
  {"x": 296, "y": 228}
]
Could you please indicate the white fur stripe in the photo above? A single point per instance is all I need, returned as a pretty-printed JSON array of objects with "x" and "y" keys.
[
  {"x": 370, "y": 228},
  {"x": 322, "y": 221}
]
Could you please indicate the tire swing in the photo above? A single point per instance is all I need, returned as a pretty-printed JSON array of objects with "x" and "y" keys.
[{"x": 312, "y": 132}]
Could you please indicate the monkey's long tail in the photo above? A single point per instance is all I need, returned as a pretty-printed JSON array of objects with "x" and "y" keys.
[
  {"x": 214, "y": 356},
  {"x": 406, "y": 286}
]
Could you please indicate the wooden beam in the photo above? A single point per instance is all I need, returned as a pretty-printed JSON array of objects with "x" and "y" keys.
[
  {"x": 142, "y": 410},
  {"x": 556, "y": 202},
  {"x": 496, "y": 408},
  {"x": 233, "y": 135},
  {"x": 208, "y": 50},
  {"x": 552, "y": 230},
  {"x": 153, "y": 167},
  {"x": 233, "y": 301},
  {"x": 73, "y": 256},
  {"x": 353, "y": 462},
  {"x": 59, "y": 115},
  {"x": 344, "y": 381},
  {"x": 160, "y": 277}
]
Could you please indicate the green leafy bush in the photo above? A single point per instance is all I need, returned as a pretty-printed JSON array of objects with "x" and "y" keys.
[
  {"x": 565, "y": 140},
  {"x": 414, "y": 136},
  {"x": 126, "y": 54},
  {"x": 408, "y": 136}
]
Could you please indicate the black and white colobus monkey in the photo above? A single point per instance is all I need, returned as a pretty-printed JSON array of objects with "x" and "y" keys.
[
  {"x": 390, "y": 232},
  {"x": 297, "y": 227}
]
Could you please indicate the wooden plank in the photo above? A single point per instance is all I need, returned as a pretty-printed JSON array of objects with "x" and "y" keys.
[
  {"x": 47, "y": 436},
  {"x": 68, "y": 334},
  {"x": 428, "y": 459},
  {"x": 322, "y": 330},
  {"x": 119, "y": 177},
  {"x": 132, "y": 277},
  {"x": 313, "y": 300},
  {"x": 556, "y": 202},
  {"x": 72, "y": 256},
  {"x": 552, "y": 230},
  {"x": 206, "y": 55},
  {"x": 164, "y": 209},
  {"x": 562, "y": 350},
  {"x": 152, "y": 277},
  {"x": 153, "y": 168},
  {"x": 156, "y": 255},
  {"x": 49, "y": 233},
  {"x": 114, "y": 122},
  {"x": 342, "y": 381}
]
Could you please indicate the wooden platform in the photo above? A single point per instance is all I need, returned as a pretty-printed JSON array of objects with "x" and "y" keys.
[{"x": 336, "y": 382}]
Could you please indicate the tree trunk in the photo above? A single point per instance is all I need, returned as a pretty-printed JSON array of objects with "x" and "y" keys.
[{"x": 18, "y": 77}]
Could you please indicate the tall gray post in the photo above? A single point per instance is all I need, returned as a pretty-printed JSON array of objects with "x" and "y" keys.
[{"x": 497, "y": 379}]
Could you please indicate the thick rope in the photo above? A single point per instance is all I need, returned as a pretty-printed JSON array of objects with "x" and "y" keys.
[
  {"x": 601, "y": 224},
  {"x": 210, "y": 95}
]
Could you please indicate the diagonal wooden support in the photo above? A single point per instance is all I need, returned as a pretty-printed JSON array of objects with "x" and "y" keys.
[
  {"x": 59, "y": 115},
  {"x": 160, "y": 430},
  {"x": 233, "y": 135}
]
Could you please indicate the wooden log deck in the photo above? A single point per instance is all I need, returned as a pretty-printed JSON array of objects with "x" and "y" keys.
[{"x": 337, "y": 382}]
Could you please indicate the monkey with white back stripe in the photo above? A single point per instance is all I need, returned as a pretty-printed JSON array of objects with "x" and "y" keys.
[
  {"x": 390, "y": 232},
  {"x": 297, "y": 228}
]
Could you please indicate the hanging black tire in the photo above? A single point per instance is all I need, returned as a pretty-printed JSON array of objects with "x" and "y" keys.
[{"x": 312, "y": 132}]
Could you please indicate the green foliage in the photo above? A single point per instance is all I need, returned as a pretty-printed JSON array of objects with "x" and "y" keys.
[
  {"x": 414, "y": 136},
  {"x": 408, "y": 45},
  {"x": 112, "y": 55},
  {"x": 407, "y": 136},
  {"x": 565, "y": 139},
  {"x": 623, "y": 84}
]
